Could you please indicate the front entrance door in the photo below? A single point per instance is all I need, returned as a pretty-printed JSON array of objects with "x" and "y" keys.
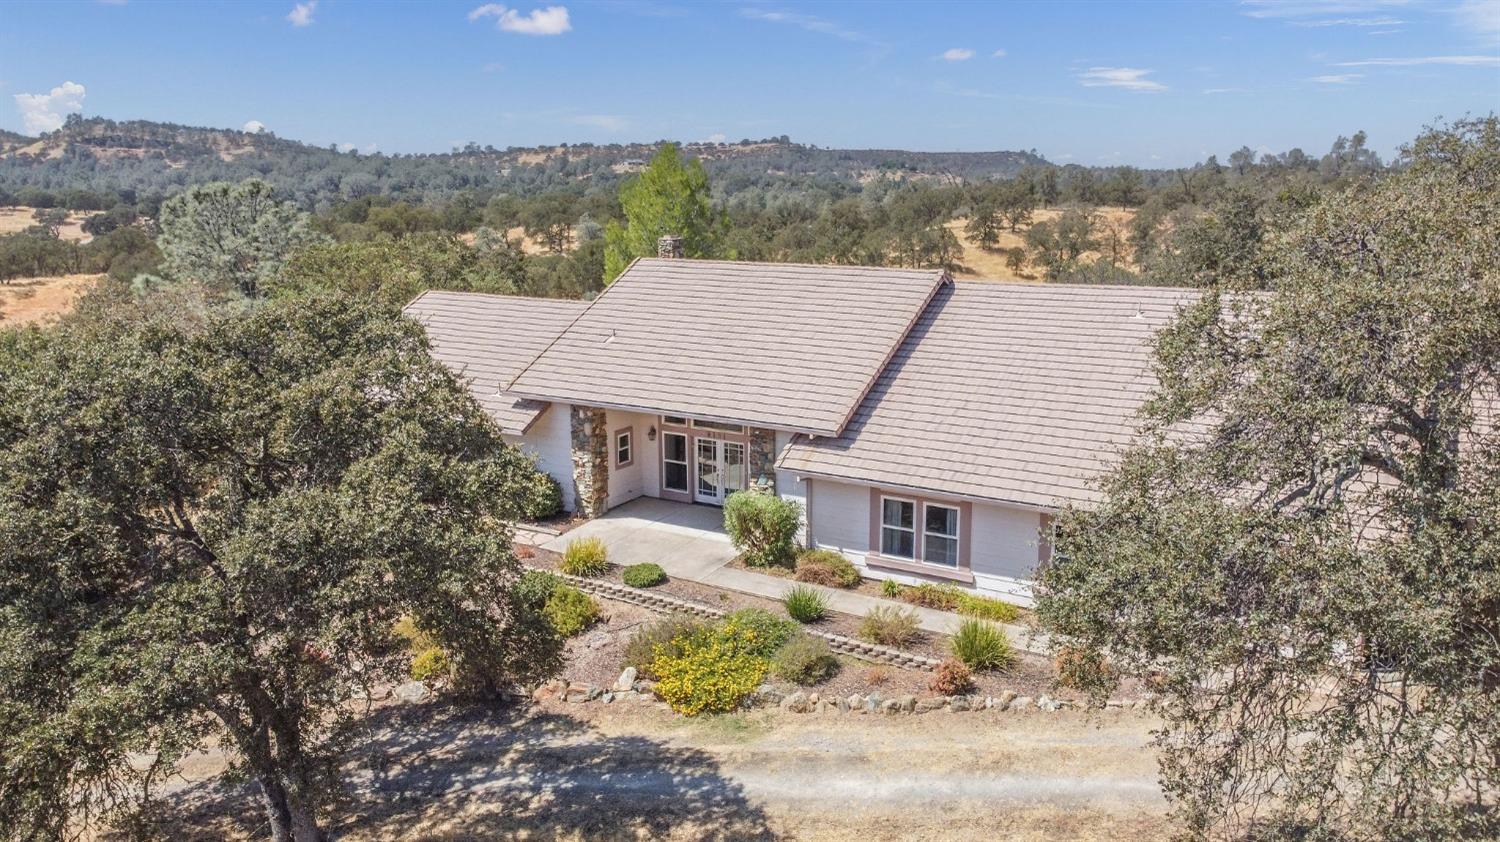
[{"x": 720, "y": 469}]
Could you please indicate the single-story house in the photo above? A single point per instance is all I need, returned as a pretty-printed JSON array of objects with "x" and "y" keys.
[{"x": 929, "y": 428}]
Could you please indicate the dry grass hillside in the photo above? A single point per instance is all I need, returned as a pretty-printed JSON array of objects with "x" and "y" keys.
[
  {"x": 27, "y": 300},
  {"x": 19, "y": 218},
  {"x": 989, "y": 264}
]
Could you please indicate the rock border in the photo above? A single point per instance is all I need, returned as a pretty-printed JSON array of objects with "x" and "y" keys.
[
  {"x": 665, "y": 603},
  {"x": 627, "y": 689}
]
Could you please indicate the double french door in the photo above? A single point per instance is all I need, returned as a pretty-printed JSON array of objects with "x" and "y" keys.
[{"x": 720, "y": 470}]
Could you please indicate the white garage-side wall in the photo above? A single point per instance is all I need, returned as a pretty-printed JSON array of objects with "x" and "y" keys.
[
  {"x": 550, "y": 442},
  {"x": 1003, "y": 549},
  {"x": 789, "y": 486}
]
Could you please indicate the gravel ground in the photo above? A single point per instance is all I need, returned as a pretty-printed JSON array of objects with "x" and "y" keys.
[{"x": 557, "y": 771}]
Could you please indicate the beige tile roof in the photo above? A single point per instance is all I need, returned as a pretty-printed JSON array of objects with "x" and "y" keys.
[
  {"x": 488, "y": 339},
  {"x": 787, "y": 346},
  {"x": 1016, "y": 393}
]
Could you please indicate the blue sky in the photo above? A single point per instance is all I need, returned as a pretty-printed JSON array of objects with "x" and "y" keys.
[{"x": 1150, "y": 84}]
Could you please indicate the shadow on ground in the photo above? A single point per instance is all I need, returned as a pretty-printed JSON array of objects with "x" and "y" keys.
[{"x": 449, "y": 772}]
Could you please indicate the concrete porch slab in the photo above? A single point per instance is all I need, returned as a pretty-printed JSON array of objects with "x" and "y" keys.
[{"x": 688, "y": 541}]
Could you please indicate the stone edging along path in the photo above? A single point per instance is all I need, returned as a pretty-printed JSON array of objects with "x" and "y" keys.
[{"x": 661, "y": 602}]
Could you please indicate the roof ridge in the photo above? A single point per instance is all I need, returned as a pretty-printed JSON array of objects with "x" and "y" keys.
[{"x": 915, "y": 271}]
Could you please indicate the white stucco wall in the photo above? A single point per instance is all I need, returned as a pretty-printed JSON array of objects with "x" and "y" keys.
[
  {"x": 550, "y": 441},
  {"x": 1003, "y": 540},
  {"x": 642, "y": 477}
]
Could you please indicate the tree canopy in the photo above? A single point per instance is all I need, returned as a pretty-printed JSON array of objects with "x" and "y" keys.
[
  {"x": 233, "y": 237},
  {"x": 1303, "y": 555},
  {"x": 669, "y": 197},
  {"x": 211, "y": 533}
]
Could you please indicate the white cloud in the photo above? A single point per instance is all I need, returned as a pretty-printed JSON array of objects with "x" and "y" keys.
[
  {"x": 1336, "y": 78},
  {"x": 717, "y": 137},
  {"x": 811, "y": 24},
  {"x": 998, "y": 54},
  {"x": 253, "y": 126},
  {"x": 1316, "y": 8},
  {"x": 552, "y": 20},
  {"x": 302, "y": 13},
  {"x": 958, "y": 54},
  {"x": 1378, "y": 21},
  {"x": 1212, "y": 91},
  {"x": 494, "y": 67},
  {"x": 1129, "y": 78},
  {"x": 1480, "y": 17},
  {"x": 46, "y": 112},
  {"x": 607, "y": 122},
  {"x": 1463, "y": 61}
]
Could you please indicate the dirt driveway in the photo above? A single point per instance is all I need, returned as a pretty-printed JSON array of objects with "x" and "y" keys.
[{"x": 432, "y": 771}]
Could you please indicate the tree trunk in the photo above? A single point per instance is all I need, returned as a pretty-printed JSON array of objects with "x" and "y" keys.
[
  {"x": 292, "y": 819},
  {"x": 277, "y": 808}
]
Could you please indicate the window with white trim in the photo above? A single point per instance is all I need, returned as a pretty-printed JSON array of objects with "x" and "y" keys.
[
  {"x": 898, "y": 528},
  {"x": 940, "y": 534},
  {"x": 624, "y": 452}
]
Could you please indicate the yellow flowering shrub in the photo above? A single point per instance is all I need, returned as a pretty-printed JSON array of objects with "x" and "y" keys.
[{"x": 712, "y": 670}]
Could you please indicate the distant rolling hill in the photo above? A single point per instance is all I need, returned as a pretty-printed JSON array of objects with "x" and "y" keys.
[{"x": 147, "y": 158}]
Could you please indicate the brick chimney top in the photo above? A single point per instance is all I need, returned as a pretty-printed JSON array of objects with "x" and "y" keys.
[{"x": 669, "y": 246}]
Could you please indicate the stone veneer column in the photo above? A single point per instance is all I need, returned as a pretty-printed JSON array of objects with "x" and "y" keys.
[
  {"x": 763, "y": 458},
  {"x": 590, "y": 461}
]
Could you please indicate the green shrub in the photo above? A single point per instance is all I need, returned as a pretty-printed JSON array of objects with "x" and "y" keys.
[
  {"x": 952, "y": 678},
  {"x": 987, "y": 608},
  {"x": 890, "y": 588},
  {"x": 431, "y": 665},
  {"x": 927, "y": 595},
  {"x": 711, "y": 670},
  {"x": 570, "y": 610},
  {"x": 804, "y": 660},
  {"x": 765, "y": 630},
  {"x": 417, "y": 641},
  {"x": 585, "y": 557},
  {"x": 889, "y": 625},
  {"x": 646, "y": 575},
  {"x": 664, "y": 636},
  {"x": 804, "y": 604},
  {"x": 534, "y": 587},
  {"x": 982, "y": 645},
  {"x": 828, "y": 568},
  {"x": 763, "y": 527},
  {"x": 541, "y": 496}
]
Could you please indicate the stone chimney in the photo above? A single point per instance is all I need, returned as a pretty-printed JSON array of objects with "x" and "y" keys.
[{"x": 669, "y": 246}]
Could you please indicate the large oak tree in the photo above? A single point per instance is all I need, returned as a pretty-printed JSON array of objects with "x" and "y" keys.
[
  {"x": 1303, "y": 555},
  {"x": 208, "y": 533}
]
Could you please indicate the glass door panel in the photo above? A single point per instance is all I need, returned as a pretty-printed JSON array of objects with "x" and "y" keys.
[
  {"x": 733, "y": 467},
  {"x": 710, "y": 477}
]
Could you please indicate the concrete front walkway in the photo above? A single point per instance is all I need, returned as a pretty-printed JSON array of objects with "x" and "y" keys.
[{"x": 688, "y": 541}]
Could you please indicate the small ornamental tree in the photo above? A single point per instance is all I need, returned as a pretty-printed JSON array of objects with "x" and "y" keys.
[
  {"x": 212, "y": 535},
  {"x": 763, "y": 527},
  {"x": 1309, "y": 571}
]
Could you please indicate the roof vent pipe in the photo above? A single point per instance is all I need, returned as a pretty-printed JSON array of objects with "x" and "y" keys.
[{"x": 669, "y": 246}]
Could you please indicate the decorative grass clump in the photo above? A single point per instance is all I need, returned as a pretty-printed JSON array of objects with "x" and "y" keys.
[
  {"x": 646, "y": 575},
  {"x": 805, "y": 604},
  {"x": 570, "y": 610},
  {"x": 889, "y": 625},
  {"x": 982, "y": 646},
  {"x": 585, "y": 557},
  {"x": 828, "y": 568},
  {"x": 804, "y": 660}
]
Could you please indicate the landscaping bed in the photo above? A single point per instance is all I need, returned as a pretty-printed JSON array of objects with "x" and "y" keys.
[{"x": 595, "y": 657}]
